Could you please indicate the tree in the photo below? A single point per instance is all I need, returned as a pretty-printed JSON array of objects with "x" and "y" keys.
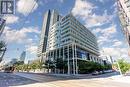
[
  {"x": 39, "y": 64},
  {"x": 2, "y": 49},
  {"x": 86, "y": 66},
  {"x": 33, "y": 66},
  {"x": 19, "y": 65},
  {"x": 60, "y": 64},
  {"x": 124, "y": 66},
  {"x": 49, "y": 65},
  {"x": 90, "y": 66},
  {"x": 25, "y": 67}
]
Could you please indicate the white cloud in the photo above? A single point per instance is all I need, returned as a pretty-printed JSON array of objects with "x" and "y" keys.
[
  {"x": 32, "y": 49},
  {"x": 11, "y": 19},
  {"x": 116, "y": 53},
  {"x": 25, "y": 6},
  {"x": 98, "y": 20},
  {"x": 117, "y": 43},
  {"x": 109, "y": 31},
  {"x": 102, "y": 1},
  {"x": 61, "y": 1},
  {"x": 19, "y": 36},
  {"x": 97, "y": 30},
  {"x": 102, "y": 40},
  {"x": 105, "y": 34},
  {"x": 84, "y": 10}
]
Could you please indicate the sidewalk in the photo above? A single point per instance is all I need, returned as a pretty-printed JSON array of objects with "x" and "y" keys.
[
  {"x": 120, "y": 78},
  {"x": 41, "y": 76},
  {"x": 52, "y": 80}
]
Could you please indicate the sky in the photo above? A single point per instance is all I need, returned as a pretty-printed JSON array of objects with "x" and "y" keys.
[{"x": 22, "y": 30}]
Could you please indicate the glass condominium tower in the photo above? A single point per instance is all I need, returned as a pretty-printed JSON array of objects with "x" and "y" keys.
[
  {"x": 49, "y": 20},
  {"x": 69, "y": 40}
]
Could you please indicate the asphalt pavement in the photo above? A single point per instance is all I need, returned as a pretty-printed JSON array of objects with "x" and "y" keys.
[{"x": 9, "y": 79}]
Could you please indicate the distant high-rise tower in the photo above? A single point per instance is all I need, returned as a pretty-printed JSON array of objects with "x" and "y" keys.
[
  {"x": 49, "y": 19},
  {"x": 23, "y": 55}
]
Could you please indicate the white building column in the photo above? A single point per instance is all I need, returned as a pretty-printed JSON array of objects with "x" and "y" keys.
[
  {"x": 59, "y": 52},
  {"x": 73, "y": 59},
  {"x": 53, "y": 57},
  {"x": 56, "y": 54},
  {"x": 68, "y": 61},
  {"x": 63, "y": 58},
  {"x": 56, "y": 60},
  {"x": 76, "y": 59},
  {"x": 48, "y": 60}
]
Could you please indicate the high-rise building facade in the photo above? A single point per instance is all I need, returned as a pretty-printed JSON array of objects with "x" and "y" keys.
[
  {"x": 71, "y": 41},
  {"x": 23, "y": 56},
  {"x": 49, "y": 20},
  {"x": 44, "y": 34},
  {"x": 2, "y": 25},
  {"x": 124, "y": 16}
]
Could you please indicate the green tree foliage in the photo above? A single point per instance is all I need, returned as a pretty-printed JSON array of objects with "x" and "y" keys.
[
  {"x": 60, "y": 64},
  {"x": 33, "y": 66},
  {"x": 39, "y": 65},
  {"x": 89, "y": 66},
  {"x": 124, "y": 66},
  {"x": 18, "y": 65},
  {"x": 83, "y": 66},
  {"x": 26, "y": 67},
  {"x": 49, "y": 65}
]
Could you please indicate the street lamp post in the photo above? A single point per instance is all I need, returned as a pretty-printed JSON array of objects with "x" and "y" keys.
[{"x": 119, "y": 68}]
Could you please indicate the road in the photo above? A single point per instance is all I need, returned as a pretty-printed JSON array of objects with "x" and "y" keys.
[
  {"x": 15, "y": 80},
  {"x": 9, "y": 79}
]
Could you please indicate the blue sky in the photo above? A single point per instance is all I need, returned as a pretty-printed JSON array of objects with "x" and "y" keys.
[{"x": 22, "y": 30}]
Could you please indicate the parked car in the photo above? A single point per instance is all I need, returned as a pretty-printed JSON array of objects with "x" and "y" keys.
[
  {"x": 95, "y": 73},
  {"x": 107, "y": 71}
]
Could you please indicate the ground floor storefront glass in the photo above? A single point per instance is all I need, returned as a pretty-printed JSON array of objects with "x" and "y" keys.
[{"x": 68, "y": 58}]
